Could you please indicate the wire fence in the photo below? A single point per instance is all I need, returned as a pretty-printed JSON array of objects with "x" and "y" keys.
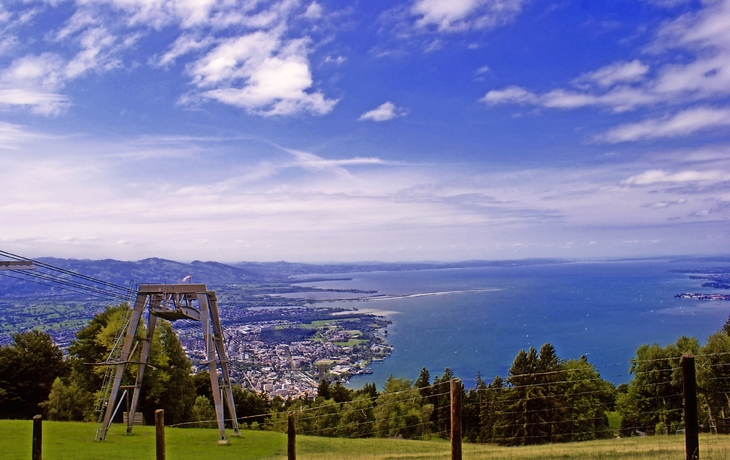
[{"x": 398, "y": 420}]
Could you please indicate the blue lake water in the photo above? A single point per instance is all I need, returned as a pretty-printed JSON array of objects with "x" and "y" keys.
[{"x": 603, "y": 310}]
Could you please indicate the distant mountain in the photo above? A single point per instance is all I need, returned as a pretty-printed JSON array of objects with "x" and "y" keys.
[
  {"x": 213, "y": 274},
  {"x": 147, "y": 271}
]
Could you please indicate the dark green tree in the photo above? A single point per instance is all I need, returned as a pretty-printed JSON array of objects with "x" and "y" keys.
[
  {"x": 251, "y": 406},
  {"x": 28, "y": 368},
  {"x": 588, "y": 397},
  {"x": 67, "y": 402},
  {"x": 92, "y": 345},
  {"x": 369, "y": 389},
  {"x": 400, "y": 411},
  {"x": 201, "y": 381},
  {"x": 423, "y": 383},
  {"x": 535, "y": 405},
  {"x": 357, "y": 418},
  {"x": 167, "y": 383},
  {"x": 713, "y": 378},
  {"x": 471, "y": 406},
  {"x": 440, "y": 398},
  {"x": 654, "y": 396},
  {"x": 340, "y": 393},
  {"x": 490, "y": 409},
  {"x": 323, "y": 390}
]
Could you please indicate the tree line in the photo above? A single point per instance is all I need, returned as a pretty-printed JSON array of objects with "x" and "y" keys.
[{"x": 542, "y": 399}]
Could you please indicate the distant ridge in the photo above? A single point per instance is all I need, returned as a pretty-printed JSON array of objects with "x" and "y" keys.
[{"x": 161, "y": 271}]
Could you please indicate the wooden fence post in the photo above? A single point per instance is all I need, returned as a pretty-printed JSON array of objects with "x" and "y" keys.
[
  {"x": 691, "y": 426},
  {"x": 291, "y": 437},
  {"x": 455, "y": 419},
  {"x": 160, "y": 433},
  {"x": 37, "y": 437}
]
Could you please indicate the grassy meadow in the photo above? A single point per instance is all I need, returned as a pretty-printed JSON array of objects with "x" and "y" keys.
[{"x": 69, "y": 440}]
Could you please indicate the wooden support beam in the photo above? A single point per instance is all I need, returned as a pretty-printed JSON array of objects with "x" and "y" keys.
[
  {"x": 455, "y": 419},
  {"x": 38, "y": 437},
  {"x": 160, "y": 434},
  {"x": 691, "y": 425},
  {"x": 291, "y": 437}
]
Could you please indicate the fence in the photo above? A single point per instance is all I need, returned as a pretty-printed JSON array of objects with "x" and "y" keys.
[{"x": 408, "y": 413}]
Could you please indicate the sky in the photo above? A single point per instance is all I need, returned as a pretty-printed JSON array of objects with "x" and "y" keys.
[{"x": 399, "y": 130}]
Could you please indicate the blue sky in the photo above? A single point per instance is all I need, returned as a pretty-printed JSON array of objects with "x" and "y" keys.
[{"x": 367, "y": 130}]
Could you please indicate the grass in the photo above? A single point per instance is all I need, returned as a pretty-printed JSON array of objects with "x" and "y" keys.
[
  {"x": 350, "y": 343},
  {"x": 69, "y": 440}
]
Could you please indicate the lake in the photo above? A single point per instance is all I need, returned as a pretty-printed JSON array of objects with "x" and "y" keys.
[{"x": 482, "y": 317}]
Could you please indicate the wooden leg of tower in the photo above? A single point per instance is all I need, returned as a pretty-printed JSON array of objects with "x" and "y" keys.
[
  {"x": 212, "y": 368},
  {"x": 126, "y": 350},
  {"x": 223, "y": 358},
  {"x": 143, "y": 360}
]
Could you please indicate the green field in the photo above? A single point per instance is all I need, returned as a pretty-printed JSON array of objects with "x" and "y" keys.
[{"x": 62, "y": 440}]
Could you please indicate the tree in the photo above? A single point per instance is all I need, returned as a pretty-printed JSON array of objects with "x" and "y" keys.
[
  {"x": 204, "y": 413},
  {"x": 203, "y": 387},
  {"x": 440, "y": 398},
  {"x": 423, "y": 383},
  {"x": 545, "y": 400},
  {"x": 471, "y": 406},
  {"x": 28, "y": 368},
  {"x": 67, "y": 402},
  {"x": 251, "y": 406},
  {"x": 527, "y": 415},
  {"x": 174, "y": 390},
  {"x": 489, "y": 409},
  {"x": 369, "y": 389},
  {"x": 400, "y": 411},
  {"x": 323, "y": 389},
  {"x": 92, "y": 345},
  {"x": 588, "y": 396},
  {"x": 340, "y": 393},
  {"x": 713, "y": 377},
  {"x": 357, "y": 418},
  {"x": 654, "y": 396},
  {"x": 167, "y": 383}
]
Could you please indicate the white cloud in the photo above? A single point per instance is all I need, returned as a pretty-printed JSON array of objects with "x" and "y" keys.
[
  {"x": 234, "y": 59},
  {"x": 681, "y": 124},
  {"x": 184, "y": 44},
  {"x": 659, "y": 176},
  {"x": 665, "y": 204},
  {"x": 386, "y": 111},
  {"x": 41, "y": 71},
  {"x": 459, "y": 15},
  {"x": 630, "y": 85},
  {"x": 338, "y": 61},
  {"x": 305, "y": 206},
  {"x": 262, "y": 68},
  {"x": 668, "y": 3},
  {"x": 11, "y": 135},
  {"x": 271, "y": 85},
  {"x": 314, "y": 11},
  {"x": 483, "y": 69},
  {"x": 618, "y": 72},
  {"x": 510, "y": 95},
  {"x": 39, "y": 102}
]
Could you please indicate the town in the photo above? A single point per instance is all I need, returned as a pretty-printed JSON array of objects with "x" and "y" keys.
[{"x": 286, "y": 352}]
